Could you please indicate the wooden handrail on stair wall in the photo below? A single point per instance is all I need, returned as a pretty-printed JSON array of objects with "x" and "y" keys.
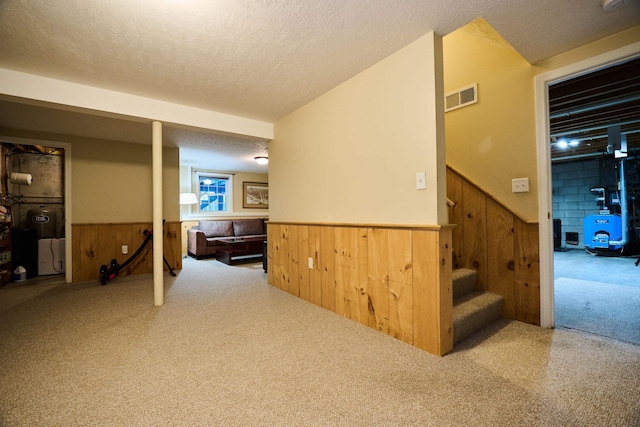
[{"x": 499, "y": 245}]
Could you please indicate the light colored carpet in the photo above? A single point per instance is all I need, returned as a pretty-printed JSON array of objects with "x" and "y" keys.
[
  {"x": 600, "y": 308},
  {"x": 227, "y": 349}
]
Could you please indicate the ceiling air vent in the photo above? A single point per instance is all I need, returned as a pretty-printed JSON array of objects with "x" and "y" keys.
[{"x": 461, "y": 97}]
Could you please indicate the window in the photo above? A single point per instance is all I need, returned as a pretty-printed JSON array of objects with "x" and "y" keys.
[{"x": 214, "y": 192}]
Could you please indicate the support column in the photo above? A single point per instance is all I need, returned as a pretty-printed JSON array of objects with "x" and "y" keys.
[{"x": 158, "y": 235}]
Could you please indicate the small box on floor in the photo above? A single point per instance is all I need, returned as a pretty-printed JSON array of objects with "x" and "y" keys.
[{"x": 571, "y": 237}]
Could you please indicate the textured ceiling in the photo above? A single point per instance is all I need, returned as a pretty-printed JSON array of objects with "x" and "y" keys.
[{"x": 264, "y": 59}]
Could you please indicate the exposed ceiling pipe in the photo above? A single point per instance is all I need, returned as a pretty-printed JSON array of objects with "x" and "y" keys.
[
  {"x": 601, "y": 126},
  {"x": 595, "y": 106},
  {"x": 601, "y": 91},
  {"x": 597, "y": 118},
  {"x": 624, "y": 211},
  {"x": 604, "y": 135},
  {"x": 587, "y": 156}
]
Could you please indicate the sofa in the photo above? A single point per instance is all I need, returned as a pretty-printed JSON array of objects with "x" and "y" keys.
[{"x": 204, "y": 239}]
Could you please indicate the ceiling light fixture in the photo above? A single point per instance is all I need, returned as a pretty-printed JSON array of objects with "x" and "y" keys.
[
  {"x": 610, "y": 5},
  {"x": 261, "y": 160}
]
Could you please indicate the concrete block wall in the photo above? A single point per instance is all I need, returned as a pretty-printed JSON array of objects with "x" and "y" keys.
[{"x": 572, "y": 199}]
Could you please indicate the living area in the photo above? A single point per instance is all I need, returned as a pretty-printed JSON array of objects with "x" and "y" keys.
[
  {"x": 228, "y": 240},
  {"x": 224, "y": 201}
]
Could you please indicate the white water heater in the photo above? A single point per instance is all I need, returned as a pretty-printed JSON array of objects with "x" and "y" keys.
[{"x": 50, "y": 257}]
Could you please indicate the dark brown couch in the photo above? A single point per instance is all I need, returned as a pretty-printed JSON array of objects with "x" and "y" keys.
[{"x": 204, "y": 239}]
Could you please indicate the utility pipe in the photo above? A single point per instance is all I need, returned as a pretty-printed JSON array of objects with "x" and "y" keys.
[
  {"x": 624, "y": 214},
  {"x": 595, "y": 106},
  {"x": 601, "y": 136},
  {"x": 596, "y": 127},
  {"x": 588, "y": 155},
  {"x": 158, "y": 235}
]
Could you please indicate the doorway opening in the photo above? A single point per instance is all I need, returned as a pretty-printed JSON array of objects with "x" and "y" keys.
[
  {"x": 592, "y": 153},
  {"x": 35, "y": 193}
]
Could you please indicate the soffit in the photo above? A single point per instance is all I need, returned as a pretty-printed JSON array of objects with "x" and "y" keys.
[{"x": 199, "y": 149}]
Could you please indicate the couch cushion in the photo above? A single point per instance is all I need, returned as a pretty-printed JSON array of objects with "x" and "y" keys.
[
  {"x": 216, "y": 241},
  {"x": 245, "y": 227},
  {"x": 216, "y": 228}
]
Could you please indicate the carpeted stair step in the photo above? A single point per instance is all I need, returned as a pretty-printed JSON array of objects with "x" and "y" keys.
[
  {"x": 464, "y": 281},
  {"x": 474, "y": 311}
]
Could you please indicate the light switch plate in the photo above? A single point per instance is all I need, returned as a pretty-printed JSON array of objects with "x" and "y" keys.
[
  {"x": 520, "y": 185},
  {"x": 421, "y": 180}
]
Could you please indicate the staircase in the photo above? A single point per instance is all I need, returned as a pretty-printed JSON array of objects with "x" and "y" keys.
[{"x": 472, "y": 309}]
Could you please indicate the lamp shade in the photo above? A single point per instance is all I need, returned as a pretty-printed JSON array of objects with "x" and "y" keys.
[{"x": 188, "y": 199}]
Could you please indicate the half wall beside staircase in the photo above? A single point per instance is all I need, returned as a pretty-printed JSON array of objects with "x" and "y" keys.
[
  {"x": 399, "y": 279},
  {"x": 393, "y": 278},
  {"x": 502, "y": 248}
]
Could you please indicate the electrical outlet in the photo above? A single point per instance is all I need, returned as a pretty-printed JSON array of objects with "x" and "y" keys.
[
  {"x": 310, "y": 263},
  {"x": 125, "y": 249},
  {"x": 520, "y": 185}
]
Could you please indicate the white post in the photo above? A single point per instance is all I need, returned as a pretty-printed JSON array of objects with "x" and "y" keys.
[{"x": 158, "y": 235}]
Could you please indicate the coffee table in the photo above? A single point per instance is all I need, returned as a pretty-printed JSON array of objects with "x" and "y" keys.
[{"x": 240, "y": 248}]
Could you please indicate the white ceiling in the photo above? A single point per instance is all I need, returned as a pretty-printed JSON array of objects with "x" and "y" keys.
[{"x": 259, "y": 59}]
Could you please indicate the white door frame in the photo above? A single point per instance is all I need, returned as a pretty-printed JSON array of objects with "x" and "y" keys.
[
  {"x": 545, "y": 212},
  {"x": 67, "y": 193}
]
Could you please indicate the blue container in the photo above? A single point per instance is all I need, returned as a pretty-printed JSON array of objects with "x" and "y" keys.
[{"x": 600, "y": 229}]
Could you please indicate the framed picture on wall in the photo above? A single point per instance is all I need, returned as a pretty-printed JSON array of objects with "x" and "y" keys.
[{"x": 255, "y": 195}]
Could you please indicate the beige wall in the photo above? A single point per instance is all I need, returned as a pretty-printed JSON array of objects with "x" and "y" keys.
[
  {"x": 352, "y": 154},
  {"x": 493, "y": 141},
  {"x": 111, "y": 182},
  {"x": 238, "y": 179}
]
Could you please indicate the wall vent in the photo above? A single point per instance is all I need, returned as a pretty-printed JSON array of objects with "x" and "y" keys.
[{"x": 461, "y": 98}]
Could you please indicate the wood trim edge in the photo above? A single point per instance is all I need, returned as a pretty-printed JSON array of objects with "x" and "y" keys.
[{"x": 366, "y": 225}]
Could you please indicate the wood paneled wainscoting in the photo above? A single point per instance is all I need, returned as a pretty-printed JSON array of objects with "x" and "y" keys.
[
  {"x": 500, "y": 246},
  {"x": 396, "y": 279},
  {"x": 96, "y": 244}
]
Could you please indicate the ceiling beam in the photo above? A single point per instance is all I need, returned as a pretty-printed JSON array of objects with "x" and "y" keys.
[{"x": 31, "y": 89}]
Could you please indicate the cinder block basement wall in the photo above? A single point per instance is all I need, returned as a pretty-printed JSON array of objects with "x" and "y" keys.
[{"x": 572, "y": 199}]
